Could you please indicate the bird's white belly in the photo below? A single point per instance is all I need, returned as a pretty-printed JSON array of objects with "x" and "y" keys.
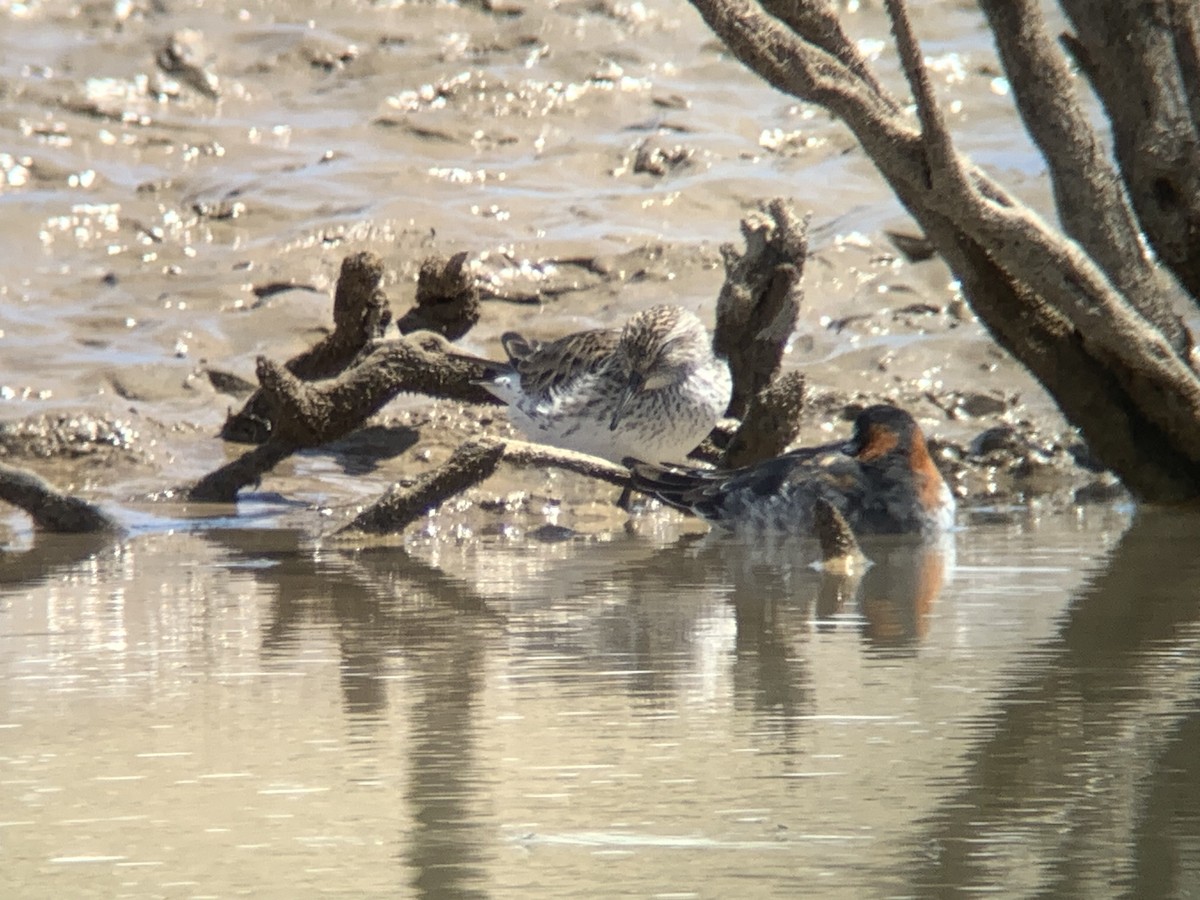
[{"x": 657, "y": 426}]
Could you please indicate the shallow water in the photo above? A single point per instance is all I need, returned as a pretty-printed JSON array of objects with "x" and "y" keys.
[
  {"x": 246, "y": 714},
  {"x": 223, "y": 704}
]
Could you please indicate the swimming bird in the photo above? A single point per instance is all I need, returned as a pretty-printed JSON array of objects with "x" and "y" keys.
[
  {"x": 651, "y": 389},
  {"x": 883, "y": 481}
]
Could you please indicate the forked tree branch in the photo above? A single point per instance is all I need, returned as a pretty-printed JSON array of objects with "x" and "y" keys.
[{"x": 1126, "y": 383}]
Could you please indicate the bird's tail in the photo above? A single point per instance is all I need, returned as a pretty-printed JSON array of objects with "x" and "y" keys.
[{"x": 674, "y": 486}]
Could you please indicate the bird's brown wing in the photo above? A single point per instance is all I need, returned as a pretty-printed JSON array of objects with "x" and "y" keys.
[{"x": 546, "y": 366}]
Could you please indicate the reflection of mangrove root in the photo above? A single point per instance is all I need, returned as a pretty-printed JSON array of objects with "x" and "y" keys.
[
  {"x": 759, "y": 302},
  {"x": 306, "y": 415},
  {"x": 447, "y": 299},
  {"x": 470, "y": 464},
  {"x": 360, "y": 316},
  {"x": 50, "y": 509},
  {"x": 772, "y": 422}
]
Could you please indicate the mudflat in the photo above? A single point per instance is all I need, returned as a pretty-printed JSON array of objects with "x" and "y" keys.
[{"x": 181, "y": 186}]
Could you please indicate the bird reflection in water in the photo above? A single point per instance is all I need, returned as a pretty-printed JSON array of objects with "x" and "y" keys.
[{"x": 893, "y": 597}]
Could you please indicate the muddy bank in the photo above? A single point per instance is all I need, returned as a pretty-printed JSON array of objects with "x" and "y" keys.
[
  {"x": 185, "y": 184},
  {"x": 998, "y": 452}
]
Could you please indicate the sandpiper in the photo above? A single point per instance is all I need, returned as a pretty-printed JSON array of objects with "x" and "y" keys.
[
  {"x": 652, "y": 389},
  {"x": 882, "y": 480}
]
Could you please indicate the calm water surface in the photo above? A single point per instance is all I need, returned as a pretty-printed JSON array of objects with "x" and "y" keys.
[
  {"x": 228, "y": 710},
  {"x": 696, "y": 718}
]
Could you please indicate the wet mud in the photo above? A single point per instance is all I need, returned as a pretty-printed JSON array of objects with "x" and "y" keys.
[{"x": 184, "y": 185}]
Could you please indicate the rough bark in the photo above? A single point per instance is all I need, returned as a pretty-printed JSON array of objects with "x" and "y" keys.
[
  {"x": 1142, "y": 61},
  {"x": 50, "y": 509},
  {"x": 1103, "y": 347},
  {"x": 1089, "y": 195},
  {"x": 360, "y": 316},
  {"x": 400, "y": 506},
  {"x": 771, "y": 423},
  {"x": 470, "y": 464},
  {"x": 447, "y": 299},
  {"x": 760, "y": 299},
  {"x": 309, "y": 414}
]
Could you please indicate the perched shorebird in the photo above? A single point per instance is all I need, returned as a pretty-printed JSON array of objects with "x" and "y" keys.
[
  {"x": 652, "y": 389},
  {"x": 882, "y": 481}
]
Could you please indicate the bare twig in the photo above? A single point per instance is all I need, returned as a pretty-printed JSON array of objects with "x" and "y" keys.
[
  {"x": 223, "y": 484},
  {"x": 400, "y": 506},
  {"x": 943, "y": 161},
  {"x": 523, "y": 453},
  {"x": 821, "y": 25}
]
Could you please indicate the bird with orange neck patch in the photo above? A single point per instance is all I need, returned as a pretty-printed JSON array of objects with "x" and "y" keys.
[{"x": 883, "y": 481}]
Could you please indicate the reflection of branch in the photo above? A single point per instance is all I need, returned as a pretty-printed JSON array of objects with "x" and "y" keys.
[
  {"x": 1103, "y": 674},
  {"x": 50, "y": 509},
  {"x": 49, "y": 554}
]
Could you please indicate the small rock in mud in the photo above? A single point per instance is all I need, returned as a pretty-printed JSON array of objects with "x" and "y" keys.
[
  {"x": 186, "y": 56},
  {"x": 552, "y": 534},
  {"x": 653, "y": 159},
  {"x": 998, "y": 439}
]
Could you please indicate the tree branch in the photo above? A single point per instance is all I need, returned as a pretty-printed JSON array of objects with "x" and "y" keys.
[
  {"x": 1141, "y": 61},
  {"x": 760, "y": 299},
  {"x": 943, "y": 161},
  {"x": 50, "y": 509},
  {"x": 472, "y": 463},
  {"x": 1044, "y": 299},
  {"x": 307, "y": 414},
  {"x": 360, "y": 315},
  {"x": 1088, "y": 193}
]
